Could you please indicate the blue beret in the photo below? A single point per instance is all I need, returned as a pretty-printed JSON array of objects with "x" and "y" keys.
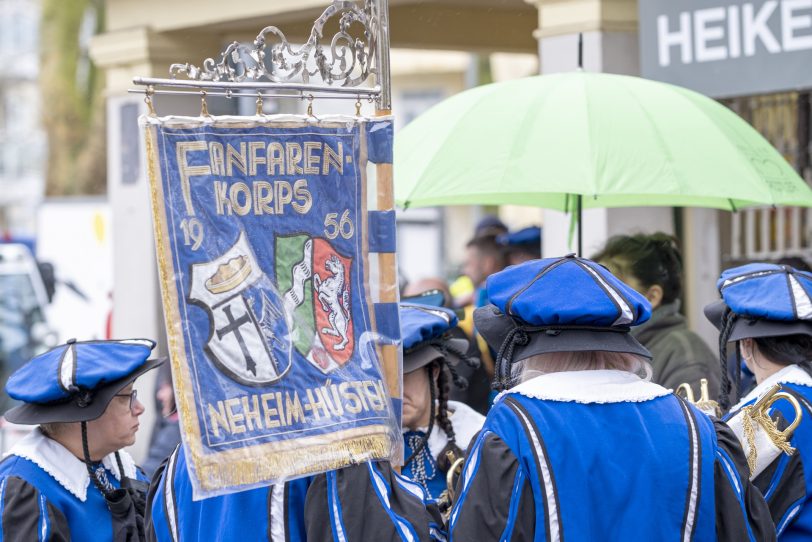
[
  {"x": 422, "y": 323},
  {"x": 564, "y": 304},
  {"x": 566, "y": 291},
  {"x": 59, "y": 373},
  {"x": 488, "y": 222},
  {"x": 767, "y": 291},
  {"x": 530, "y": 236}
]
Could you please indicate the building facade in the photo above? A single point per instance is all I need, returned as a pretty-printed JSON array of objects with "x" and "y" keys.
[
  {"x": 143, "y": 37},
  {"x": 22, "y": 139}
]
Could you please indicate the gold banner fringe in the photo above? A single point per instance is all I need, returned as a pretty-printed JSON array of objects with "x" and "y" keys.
[
  {"x": 306, "y": 460},
  {"x": 168, "y": 296}
]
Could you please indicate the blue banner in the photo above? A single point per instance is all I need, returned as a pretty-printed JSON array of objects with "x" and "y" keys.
[{"x": 263, "y": 233}]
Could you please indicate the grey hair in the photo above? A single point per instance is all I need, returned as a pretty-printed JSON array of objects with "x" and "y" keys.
[
  {"x": 592, "y": 360},
  {"x": 52, "y": 429}
]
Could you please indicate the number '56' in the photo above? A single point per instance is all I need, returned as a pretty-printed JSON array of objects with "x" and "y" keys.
[{"x": 333, "y": 227}]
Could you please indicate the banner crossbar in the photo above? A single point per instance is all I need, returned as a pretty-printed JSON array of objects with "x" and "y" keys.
[{"x": 238, "y": 89}]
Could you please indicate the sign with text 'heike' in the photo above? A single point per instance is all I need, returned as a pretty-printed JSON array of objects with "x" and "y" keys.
[
  {"x": 727, "y": 47},
  {"x": 264, "y": 237}
]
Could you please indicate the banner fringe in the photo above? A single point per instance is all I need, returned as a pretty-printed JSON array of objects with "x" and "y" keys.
[{"x": 308, "y": 460}]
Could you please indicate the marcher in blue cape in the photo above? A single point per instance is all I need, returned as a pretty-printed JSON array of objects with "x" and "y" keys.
[
  {"x": 70, "y": 479},
  {"x": 364, "y": 502},
  {"x": 580, "y": 447},
  {"x": 522, "y": 245},
  {"x": 766, "y": 310},
  {"x": 274, "y": 513},
  {"x": 433, "y": 426}
]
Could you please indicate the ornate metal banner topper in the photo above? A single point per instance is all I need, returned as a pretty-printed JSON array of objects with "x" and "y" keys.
[
  {"x": 334, "y": 65},
  {"x": 275, "y": 244}
]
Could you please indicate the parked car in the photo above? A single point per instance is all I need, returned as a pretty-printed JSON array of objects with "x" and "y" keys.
[{"x": 24, "y": 296}]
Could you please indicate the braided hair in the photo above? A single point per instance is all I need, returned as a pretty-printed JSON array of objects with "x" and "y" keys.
[
  {"x": 502, "y": 378},
  {"x": 728, "y": 321},
  {"x": 439, "y": 389},
  {"x": 442, "y": 416}
]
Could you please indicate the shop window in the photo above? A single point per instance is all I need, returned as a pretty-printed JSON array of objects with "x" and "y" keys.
[{"x": 767, "y": 233}]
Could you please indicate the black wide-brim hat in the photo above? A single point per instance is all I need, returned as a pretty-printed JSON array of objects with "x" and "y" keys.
[
  {"x": 74, "y": 409},
  {"x": 745, "y": 327},
  {"x": 423, "y": 355},
  {"x": 495, "y": 326}
]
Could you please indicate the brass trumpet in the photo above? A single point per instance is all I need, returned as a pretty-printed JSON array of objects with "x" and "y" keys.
[
  {"x": 705, "y": 403},
  {"x": 756, "y": 418},
  {"x": 453, "y": 473},
  {"x": 763, "y": 405},
  {"x": 446, "y": 499}
]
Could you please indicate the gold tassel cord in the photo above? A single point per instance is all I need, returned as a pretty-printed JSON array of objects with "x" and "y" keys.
[
  {"x": 751, "y": 416},
  {"x": 750, "y": 436}
]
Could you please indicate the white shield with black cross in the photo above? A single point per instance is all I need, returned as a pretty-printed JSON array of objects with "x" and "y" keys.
[{"x": 225, "y": 288}]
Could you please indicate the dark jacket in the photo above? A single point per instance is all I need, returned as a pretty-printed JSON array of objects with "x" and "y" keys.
[
  {"x": 165, "y": 438},
  {"x": 679, "y": 354}
]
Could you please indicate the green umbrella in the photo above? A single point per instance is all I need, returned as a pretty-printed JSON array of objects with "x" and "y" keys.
[{"x": 600, "y": 140}]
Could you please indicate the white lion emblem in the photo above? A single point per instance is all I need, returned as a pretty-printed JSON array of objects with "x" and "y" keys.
[{"x": 335, "y": 300}]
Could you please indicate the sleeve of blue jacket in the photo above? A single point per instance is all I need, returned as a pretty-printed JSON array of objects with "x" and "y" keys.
[
  {"x": 741, "y": 511},
  {"x": 495, "y": 500},
  {"x": 370, "y": 502},
  {"x": 27, "y": 515}
]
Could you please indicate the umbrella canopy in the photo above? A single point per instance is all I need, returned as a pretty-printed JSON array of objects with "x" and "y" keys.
[{"x": 617, "y": 141}]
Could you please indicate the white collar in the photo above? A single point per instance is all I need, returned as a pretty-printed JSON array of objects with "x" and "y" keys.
[
  {"x": 466, "y": 423},
  {"x": 63, "y": 466},
  {"x": 599, "y": 386},
  {"x": 791, "y": 374}
]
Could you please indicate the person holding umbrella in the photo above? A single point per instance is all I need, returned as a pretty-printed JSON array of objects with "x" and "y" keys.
[
  {"x": 652, "y": 265},
  {"x": 580, "y": 446},
  {"x": 70, "y": 478},
  {"x": 766, "y": 312}
]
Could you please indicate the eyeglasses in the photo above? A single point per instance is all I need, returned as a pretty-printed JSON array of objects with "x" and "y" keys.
[{"x": 133, "y": 395}]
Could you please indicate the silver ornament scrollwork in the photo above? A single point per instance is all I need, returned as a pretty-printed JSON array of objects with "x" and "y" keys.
[{"x": 341, "y": 60}]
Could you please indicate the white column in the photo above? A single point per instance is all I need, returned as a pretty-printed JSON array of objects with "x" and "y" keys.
[
  {"x": 137, "y": 309},
  {"x": 702, "y": 260}
]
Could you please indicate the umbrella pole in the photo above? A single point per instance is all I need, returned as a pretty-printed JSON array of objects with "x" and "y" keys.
[
  {"x": 580, "y": 50},
  {"x": 578, "y": 209},
  {"x": 579, "y": 216}
]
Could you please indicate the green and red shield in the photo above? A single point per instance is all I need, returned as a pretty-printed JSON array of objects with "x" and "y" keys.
[{"x": 314, "y": 280}]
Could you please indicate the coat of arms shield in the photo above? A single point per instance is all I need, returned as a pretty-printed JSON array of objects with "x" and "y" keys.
[
  {"x": 314, "y": 280},
  {"x": 248, "y": 335}
]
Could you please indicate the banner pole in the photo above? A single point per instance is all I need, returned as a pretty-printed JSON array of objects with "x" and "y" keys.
[{"x": 387, "y": 263}]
